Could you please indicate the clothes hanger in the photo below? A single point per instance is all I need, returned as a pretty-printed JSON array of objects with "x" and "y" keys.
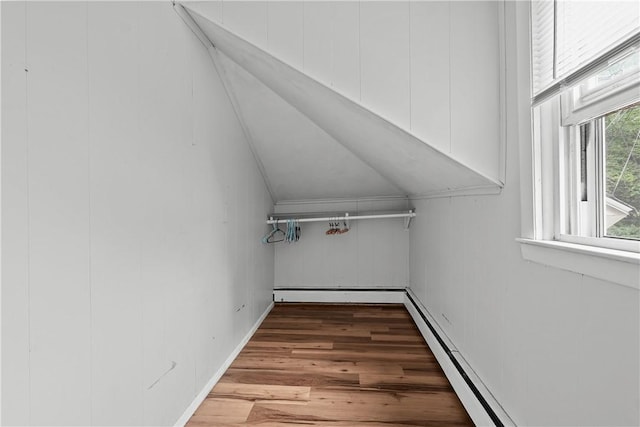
[
  {"x": 270, "y": 237},
  {"x": 291, "y": 231}
]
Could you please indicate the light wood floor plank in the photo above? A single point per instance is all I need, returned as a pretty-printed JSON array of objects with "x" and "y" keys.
[
  {"x": 216, "y": 411},
  {"x": 334, "y": 365},
  {"x": 250, "y": 392}
]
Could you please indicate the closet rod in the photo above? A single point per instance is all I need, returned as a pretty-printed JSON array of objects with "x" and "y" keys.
[{"x": 347, "y": 217}]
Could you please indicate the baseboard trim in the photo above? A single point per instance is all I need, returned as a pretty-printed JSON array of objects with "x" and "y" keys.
[
  {"x": 480, "y": 404},
  {"x": 182, "y": 421},
  {"x": 340, "y": 295},
  {"x": 482, "y": 407}
]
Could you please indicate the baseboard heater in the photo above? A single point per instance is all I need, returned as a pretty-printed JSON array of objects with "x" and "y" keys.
[{"x": 482, "y": 407}]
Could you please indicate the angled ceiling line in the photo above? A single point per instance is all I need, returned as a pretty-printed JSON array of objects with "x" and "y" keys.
[
  {"x": 217, "y": 64},
  {"x": 404, "y": 159},
  {"x": 246, "y": 130}
]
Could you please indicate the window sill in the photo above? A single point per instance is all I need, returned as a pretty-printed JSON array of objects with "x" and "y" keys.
[{"x": 616, "y": 266}]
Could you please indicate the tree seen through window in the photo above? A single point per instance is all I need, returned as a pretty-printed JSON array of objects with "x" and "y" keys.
[{"x": 622, "y": 144}]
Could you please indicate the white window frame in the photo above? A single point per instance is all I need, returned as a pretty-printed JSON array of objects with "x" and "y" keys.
[
  {"x": 545, "y": 165},
  {"x": 571, "y": 224}
]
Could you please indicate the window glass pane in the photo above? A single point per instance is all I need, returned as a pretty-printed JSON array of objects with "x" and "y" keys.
[
  {"x": 622, "y": 145},
  {"x": 626, "y": 67}
]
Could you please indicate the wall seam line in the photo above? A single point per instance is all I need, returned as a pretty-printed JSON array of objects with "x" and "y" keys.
[
  {"x": 28, "y": 173},
  {"x": 89, "y": 270}
]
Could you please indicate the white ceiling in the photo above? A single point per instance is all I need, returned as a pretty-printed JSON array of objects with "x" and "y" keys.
[
  {"x": 314, "y": 143},
  {"x": 300, "y": 160}
]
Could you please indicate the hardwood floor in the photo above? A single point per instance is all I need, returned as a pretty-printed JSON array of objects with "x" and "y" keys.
[{"x": 334, "y": 365}]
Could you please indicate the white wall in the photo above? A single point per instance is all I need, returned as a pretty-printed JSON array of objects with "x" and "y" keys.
[
  {"x": 373, "y": 254},
  {"x": 432, "y": 68},
  {"x": 554, "y": 347},
  {"x": 132, "y": 211}
]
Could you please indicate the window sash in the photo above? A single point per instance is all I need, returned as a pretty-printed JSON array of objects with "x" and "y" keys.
[{"x": 581, "y": 103}]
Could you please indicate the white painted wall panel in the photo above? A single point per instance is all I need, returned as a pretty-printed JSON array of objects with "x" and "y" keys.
[
  {"x": 469, "y": 310},
  {"x": 475, "y": 125},
  {"x": 524, "y": 326},
  {"x": 369, "y": 255},
  {"x": 160, "y": 245},
  {"x": 15, "y": 224},
  {"x": 286, "y": 36},
  {"x": 318, "y": 40},
  {"x": 313, "y": 269},
  {"x": 430, "y": 112},
  {"x": 58, "y": 213},
  {"x": 374, "y": 253},
  {"x": 145, "y": 212},
  {"x": 115, "y": 214},
  {"x": 212, "y": 9},
  {"x": 209, "y": 257},
  {"x": 346, "y": 40},
  {"x": 166, "y": 240},
  {"x": 385, "y": 66},
  {"x": 341, "y": 266},
  {"x": 609, "y": 320},
  {"x": 248, "y": 19},
  {"x": 382, "y": 253},
  {"x": 435, "y": 225},
  {"x": 559, "y": 308}
]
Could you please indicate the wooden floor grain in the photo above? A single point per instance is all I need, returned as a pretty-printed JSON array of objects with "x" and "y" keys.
[{"x": 334, "y": 365}]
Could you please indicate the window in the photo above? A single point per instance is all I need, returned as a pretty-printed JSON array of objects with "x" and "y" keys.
[
  {"x": 586, "y": 122},
  {"x": 603, "y": 189}
]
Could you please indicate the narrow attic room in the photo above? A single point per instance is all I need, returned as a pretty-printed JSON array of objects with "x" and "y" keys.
[{"x": 356, "y": 213}]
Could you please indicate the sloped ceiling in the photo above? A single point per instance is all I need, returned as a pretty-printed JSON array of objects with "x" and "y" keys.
[
  {"x": 314, "y": 143},
  {"x": 300, "y": 160}
]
